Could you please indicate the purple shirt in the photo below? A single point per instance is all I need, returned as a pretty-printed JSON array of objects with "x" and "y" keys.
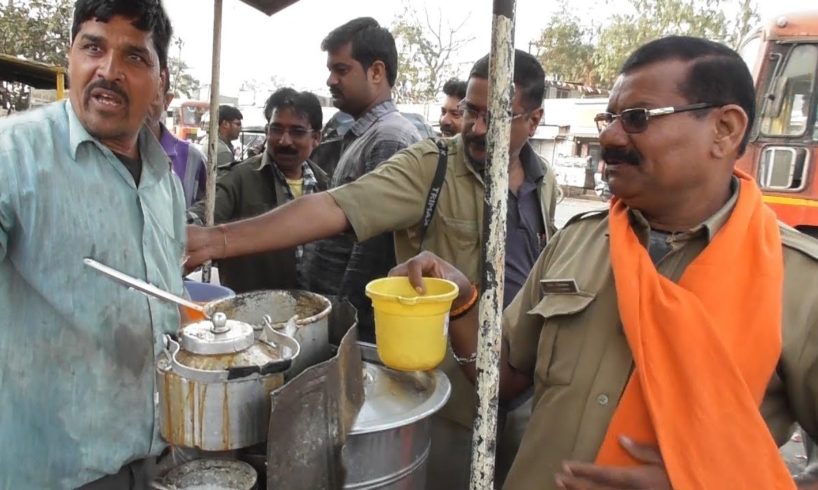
[{"x": 188, "y": 163}]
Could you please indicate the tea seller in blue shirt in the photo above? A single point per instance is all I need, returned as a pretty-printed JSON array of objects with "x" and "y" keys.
[{"x": 82, "y": 178}]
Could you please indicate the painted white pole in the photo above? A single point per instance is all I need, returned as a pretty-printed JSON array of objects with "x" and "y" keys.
[
  {"x": 213, "y": 131},
  {"x": 501, "y": 70}
]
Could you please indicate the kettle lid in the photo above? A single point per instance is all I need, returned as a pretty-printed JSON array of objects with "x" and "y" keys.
[{"x": 217, "y": 336}]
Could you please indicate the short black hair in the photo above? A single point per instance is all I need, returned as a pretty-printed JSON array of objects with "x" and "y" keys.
[
  {"x": 529, "y": 77},
  {"x": 229, "y": 113},
  {"x": 455, "y": 88},
  {"x": 145, "y": 15},
  {"x": 717, "y": 74},
  {"x": 303, "y": 103},
  {"x": 370, "y": 43}
]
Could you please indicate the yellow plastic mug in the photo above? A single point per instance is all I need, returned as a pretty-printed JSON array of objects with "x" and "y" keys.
[{"x": 411, "y": 330}]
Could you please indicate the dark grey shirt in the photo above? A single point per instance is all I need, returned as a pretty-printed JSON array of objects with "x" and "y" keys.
[
  {"x": 341, "y": 266},
  {"x": 525, "y": 234},
  {"x": 373, "y": 138}
]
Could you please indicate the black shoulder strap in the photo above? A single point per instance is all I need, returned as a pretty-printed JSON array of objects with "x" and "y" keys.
[{"x": 434, "y": 191}]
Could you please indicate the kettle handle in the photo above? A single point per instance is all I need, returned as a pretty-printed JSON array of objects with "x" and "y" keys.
[
  {"x": 170, "y": 364},
  {"x": 284, "y": 341}
]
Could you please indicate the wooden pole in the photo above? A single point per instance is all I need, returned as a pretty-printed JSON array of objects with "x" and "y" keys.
[
  {"x": 501, "y": 69},
  {"x": 213, "y": 131}
]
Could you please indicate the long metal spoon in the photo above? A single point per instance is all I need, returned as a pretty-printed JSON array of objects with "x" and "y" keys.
[{"x": 144, "y": 287}]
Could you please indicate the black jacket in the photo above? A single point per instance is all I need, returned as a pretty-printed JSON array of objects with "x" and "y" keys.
[{"x": 248, "y": 190}]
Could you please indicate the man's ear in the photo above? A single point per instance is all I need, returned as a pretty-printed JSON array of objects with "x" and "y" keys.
[
  {"x": 534, "y": 120},
  {"x": 731, "y": 123},
  {"x": 168, "y": 100},
  {"x": 164, "y": 77},
  {"x": 377, "y": 70}
]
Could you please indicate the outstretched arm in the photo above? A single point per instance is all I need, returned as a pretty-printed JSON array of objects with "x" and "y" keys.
[{"x": 308, "y": 218}]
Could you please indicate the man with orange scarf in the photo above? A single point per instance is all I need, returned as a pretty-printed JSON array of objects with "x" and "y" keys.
[{"x": 669, "y": 340}]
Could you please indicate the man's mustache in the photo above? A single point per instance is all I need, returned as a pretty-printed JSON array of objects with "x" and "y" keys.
[
  {"x": 285, "y": 150},
  {"x": 479, "y": 141},
  {"x": 106, "y": 85},
  {"x": 621, "y": 155}
]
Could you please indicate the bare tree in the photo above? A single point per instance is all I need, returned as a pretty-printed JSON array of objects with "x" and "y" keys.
[
  {"x": 426, "y": 45},
  {"x": 182, "y": 82}
]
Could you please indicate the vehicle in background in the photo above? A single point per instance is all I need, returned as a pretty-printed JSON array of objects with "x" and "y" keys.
[
  {"x": 783, "y": 150},
  {"x": 188, "y": 120},
  {"x": 601, "y": 182},
  {"x": 251, "y": 141}
]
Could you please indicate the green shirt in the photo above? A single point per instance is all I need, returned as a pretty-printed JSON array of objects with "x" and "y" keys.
[
  {"x": 392, "y": 198},
  {"x": 77, "y": 351},
  {"x": 574, "y": 347}
]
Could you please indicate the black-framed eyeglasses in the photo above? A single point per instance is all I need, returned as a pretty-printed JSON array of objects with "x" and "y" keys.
[
  {"x": 472, "y": 114},
  {"x": 295, "y": 132},
  {"x": 635, "y": 120}
]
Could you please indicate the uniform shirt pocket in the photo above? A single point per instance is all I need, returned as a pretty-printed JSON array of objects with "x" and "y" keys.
[
  {"x": 562, "y": 335},
  {"x": 462, "y": 233}
]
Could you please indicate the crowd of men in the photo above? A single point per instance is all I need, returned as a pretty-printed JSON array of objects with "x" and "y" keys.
[{"x": 664, "y": 343}]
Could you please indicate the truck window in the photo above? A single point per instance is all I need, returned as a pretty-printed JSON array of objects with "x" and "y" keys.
[
  {"x": 783, "y": 168},
  {"x": 786, "y": 108}
]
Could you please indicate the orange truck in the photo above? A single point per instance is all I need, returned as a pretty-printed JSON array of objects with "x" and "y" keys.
[{"x": 783, "y": 149}]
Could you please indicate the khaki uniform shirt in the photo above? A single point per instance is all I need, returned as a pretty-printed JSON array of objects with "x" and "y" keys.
[
  {"x": 392, "y": 198},
  {"x": 574, "y": 347}
]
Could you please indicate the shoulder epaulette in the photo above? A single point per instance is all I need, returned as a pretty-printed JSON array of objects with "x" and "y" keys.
[
  {"x": 594, "y": 213},
  {"x": 794, "y": 239}
]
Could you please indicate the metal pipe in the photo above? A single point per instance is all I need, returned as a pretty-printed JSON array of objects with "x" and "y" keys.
[
  {"x": 213, "y": 131},
  {"x": 501, "y": 69}
]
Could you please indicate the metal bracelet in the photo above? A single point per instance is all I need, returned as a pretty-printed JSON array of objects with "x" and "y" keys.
[{"x": 465, "y": 360}]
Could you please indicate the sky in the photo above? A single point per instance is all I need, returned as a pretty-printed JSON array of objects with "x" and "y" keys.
[{"x": 287, "y": 44}]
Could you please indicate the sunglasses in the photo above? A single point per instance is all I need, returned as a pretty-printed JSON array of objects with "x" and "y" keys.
[
  {"x": 636, "y": 120},
  {"x": 295, "y": 132}
]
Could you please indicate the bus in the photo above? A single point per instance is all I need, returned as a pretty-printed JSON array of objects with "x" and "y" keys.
[
  {"x": 783, "y": 151},
  {"x": 187, "y": 119}
]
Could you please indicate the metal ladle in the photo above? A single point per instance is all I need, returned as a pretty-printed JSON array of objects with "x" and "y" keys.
[{"x": 143, "y": 287}]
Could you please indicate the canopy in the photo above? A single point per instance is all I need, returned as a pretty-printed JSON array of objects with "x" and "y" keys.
[
  {"x": 269, "y": 7},
  {"x": 36, "y": 74}
]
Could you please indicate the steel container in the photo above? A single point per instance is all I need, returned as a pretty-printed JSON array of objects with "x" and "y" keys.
[
  {"x": 389, "y": 444},
  {"x": 300, "y": 314},
  {"x": 211, "y": 474},
  {"x": 214, "y": 385}
]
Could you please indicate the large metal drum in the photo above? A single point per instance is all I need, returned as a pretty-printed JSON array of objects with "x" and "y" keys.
[
  {"x": 388, "y": 446},
  {"x": 311, "y": 325}
]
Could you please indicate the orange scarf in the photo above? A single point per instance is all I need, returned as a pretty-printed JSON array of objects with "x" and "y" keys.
[{"x": 704, "y": 351}]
